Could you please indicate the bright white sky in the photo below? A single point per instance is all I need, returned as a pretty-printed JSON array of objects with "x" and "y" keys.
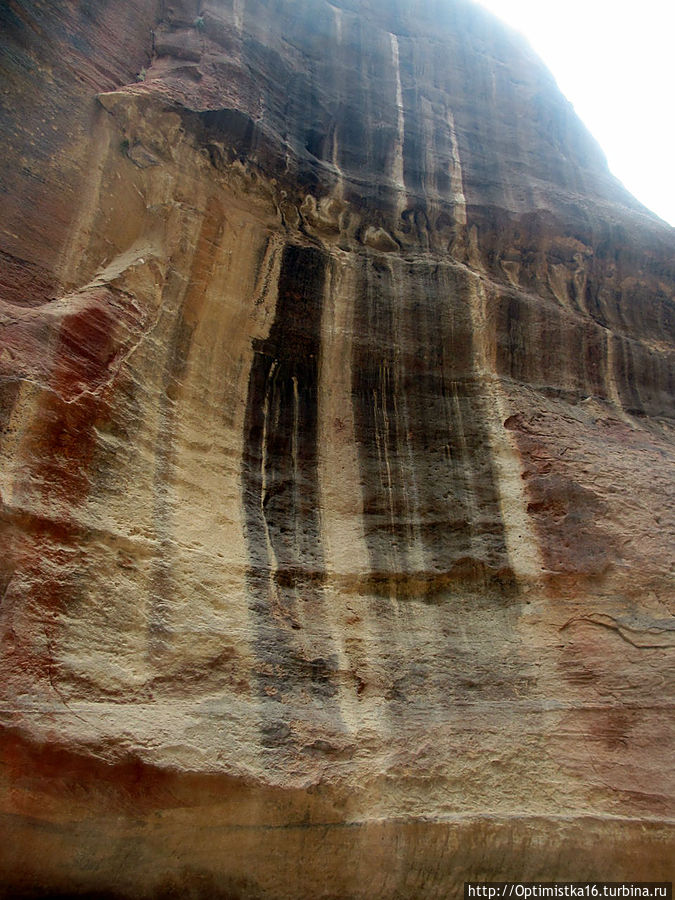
[{"x": 615, "y": 61}]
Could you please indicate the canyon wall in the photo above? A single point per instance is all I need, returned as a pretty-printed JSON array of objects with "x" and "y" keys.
[{"x": 336, "y": 460}]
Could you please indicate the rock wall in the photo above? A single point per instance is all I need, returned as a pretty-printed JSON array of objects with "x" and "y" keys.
[{"x": 336, "y": 410}]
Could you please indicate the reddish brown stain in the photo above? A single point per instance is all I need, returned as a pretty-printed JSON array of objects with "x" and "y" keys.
[
  {"x": 83, "y": 347},
  {"x": 43, "y": 775},
  {"x": 565, "y": 513}
]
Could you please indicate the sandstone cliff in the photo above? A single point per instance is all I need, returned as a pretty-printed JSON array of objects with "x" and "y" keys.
[{"x": 336, "y": 441}]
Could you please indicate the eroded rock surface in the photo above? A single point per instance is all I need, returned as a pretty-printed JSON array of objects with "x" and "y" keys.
[{"x": 336, "y": 460}]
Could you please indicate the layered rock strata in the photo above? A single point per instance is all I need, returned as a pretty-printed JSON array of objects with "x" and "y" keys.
[{"x": 336, "y": 460}]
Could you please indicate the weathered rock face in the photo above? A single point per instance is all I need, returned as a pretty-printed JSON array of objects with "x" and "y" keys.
[{"x": 337, "y": 455}]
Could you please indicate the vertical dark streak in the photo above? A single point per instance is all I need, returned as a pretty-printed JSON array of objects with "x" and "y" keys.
[
  {"x": 163, "y": 586},
  {"x": 438, "y": 469},
  {"x": 185, "y": 325},
  {"x": 432, "y": 518},
  {"x": 281, "y": 490}
]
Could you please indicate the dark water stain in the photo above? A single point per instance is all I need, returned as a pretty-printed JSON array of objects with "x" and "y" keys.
[
  {"x": 281, "y": 492},
  {"x": 429, "y": 490},
  {"x": 9, "y": 395},
  {"x": 430, "y": 496}
]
